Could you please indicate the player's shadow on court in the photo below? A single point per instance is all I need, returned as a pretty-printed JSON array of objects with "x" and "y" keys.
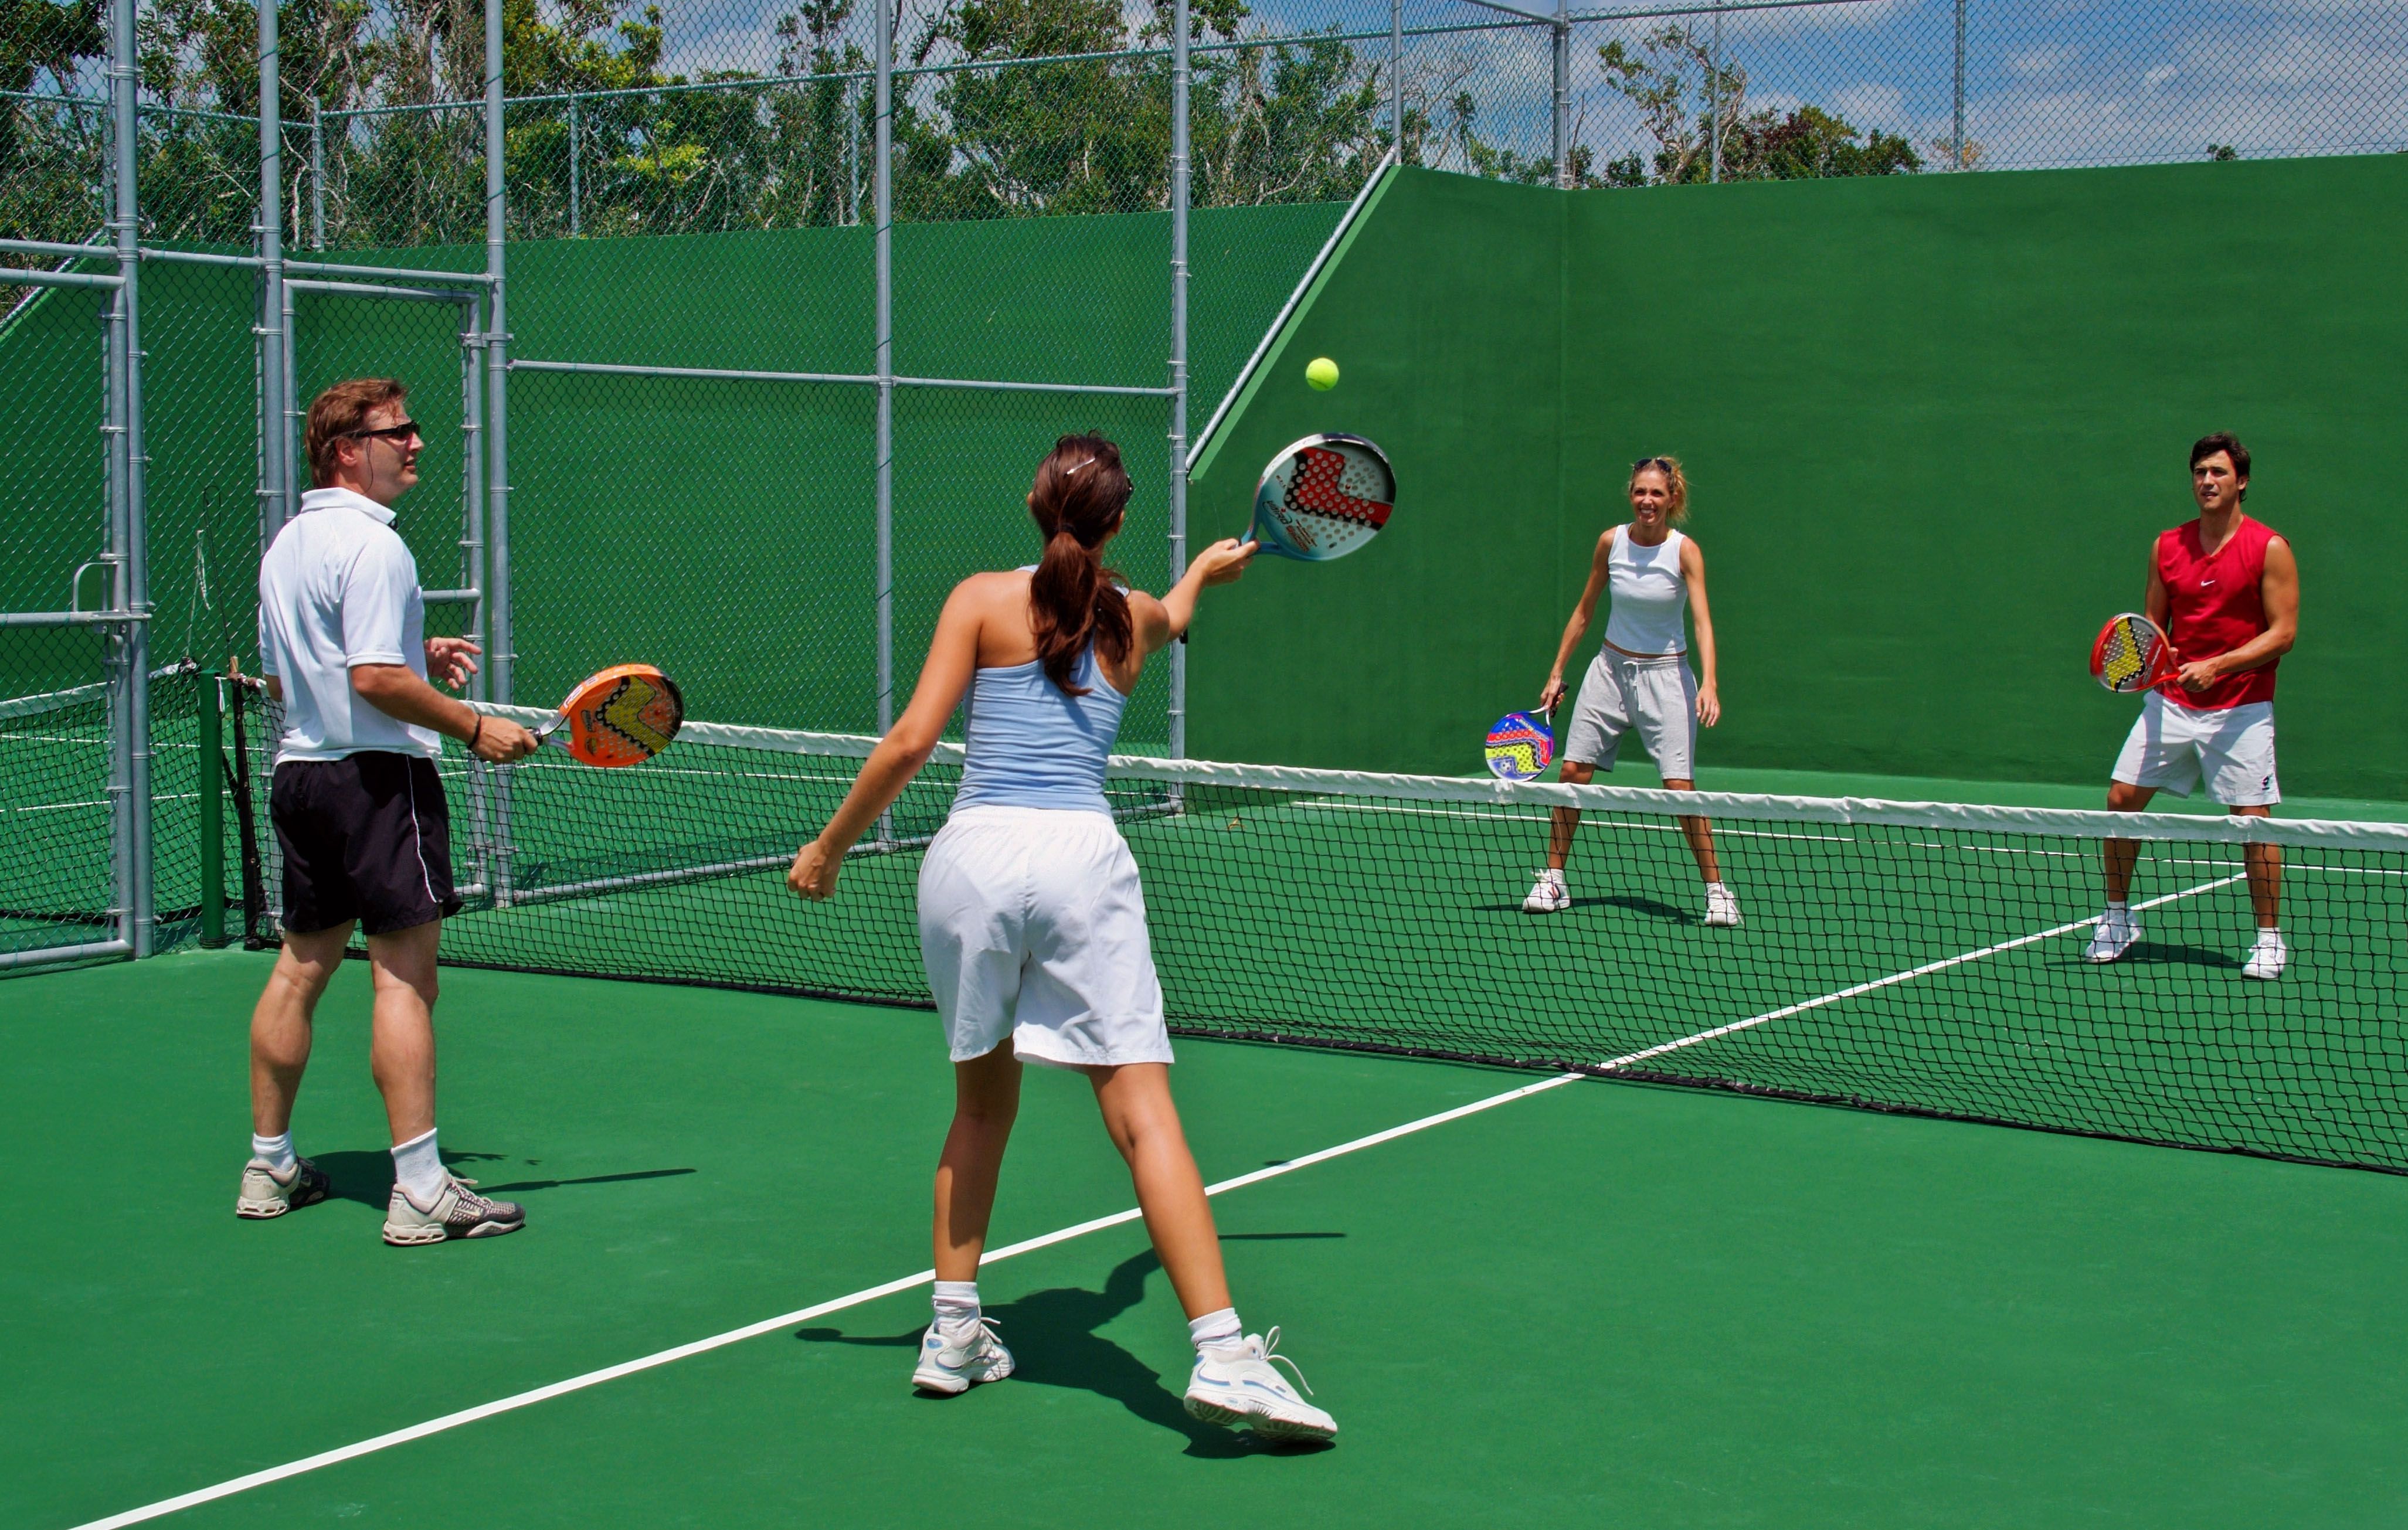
[
  {"x": 1054, "y": 1338},
  {"x": 2146, "y": 952},
  {"x": 367, "y": 1176},
  {"x": 1649, "y": 907}
]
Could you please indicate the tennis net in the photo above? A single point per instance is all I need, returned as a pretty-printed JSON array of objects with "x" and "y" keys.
[
  {"x": 59, "y": 801},
  {"x": 1916, "y": 957}
]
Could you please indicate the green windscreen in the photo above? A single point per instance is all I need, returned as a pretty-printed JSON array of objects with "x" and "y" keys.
[{"x": 1931, "y": 424}]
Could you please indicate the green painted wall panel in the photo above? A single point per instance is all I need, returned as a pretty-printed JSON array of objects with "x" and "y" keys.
[
  {"x": 1443, "y": 311},
  {"x": 1932, "y": 424},
  {"x": 1935, "y": 423}
]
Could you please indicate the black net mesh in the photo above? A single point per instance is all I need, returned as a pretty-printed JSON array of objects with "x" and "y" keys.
[{"x": 1911, "y": 957}]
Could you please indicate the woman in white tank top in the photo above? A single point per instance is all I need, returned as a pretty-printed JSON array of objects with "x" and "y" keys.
[{"x": 1640, "y": 681}]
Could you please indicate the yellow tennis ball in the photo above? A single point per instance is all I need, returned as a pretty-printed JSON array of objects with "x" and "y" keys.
[{"x": 1321, "y": 373}]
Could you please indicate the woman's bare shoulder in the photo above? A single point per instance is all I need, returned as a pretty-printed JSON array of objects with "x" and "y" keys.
[{"x": 981, "y": 590}]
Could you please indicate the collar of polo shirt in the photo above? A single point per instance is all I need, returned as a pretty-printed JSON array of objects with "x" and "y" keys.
[{"x": 348, "y": 500}]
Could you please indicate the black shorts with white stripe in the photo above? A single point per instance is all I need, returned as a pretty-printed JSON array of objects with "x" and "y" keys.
[{"x": 367, "y": 837}]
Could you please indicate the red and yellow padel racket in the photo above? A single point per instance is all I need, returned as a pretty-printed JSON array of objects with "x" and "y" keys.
[
  {"x": 2133, "y": 654},
  {"x": 1323, "y": 497},
  {"x": 622, "y": 716}
]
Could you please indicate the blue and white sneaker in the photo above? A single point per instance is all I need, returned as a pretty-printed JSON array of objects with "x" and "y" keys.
[
  {"x": 953, "y": 1362},
  {"x": 1238, "y": 1386}
]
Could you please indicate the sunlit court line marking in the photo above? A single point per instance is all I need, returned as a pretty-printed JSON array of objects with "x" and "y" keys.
[{"x": 768, "y": 1326}]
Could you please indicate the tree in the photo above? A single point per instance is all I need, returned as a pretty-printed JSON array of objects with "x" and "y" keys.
[
  {"x": 1693, "y": 102},
  {"x": 37, "y": 139}
]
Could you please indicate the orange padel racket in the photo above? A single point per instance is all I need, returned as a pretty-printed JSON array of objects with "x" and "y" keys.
[
  {"x": 622, "y": 716},
  {"x": 2133, "y": 654}
]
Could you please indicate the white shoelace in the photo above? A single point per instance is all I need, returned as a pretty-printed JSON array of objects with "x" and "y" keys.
[{"x": 1270, "y": 1345}]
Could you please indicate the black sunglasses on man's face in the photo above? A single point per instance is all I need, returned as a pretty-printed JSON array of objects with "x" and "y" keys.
[{"x": 395, "y": 434}]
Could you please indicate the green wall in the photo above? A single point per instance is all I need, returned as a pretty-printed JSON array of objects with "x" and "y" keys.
[
  {"x": 1931, "y": 424},
  {"x": 1444, "y": 311}
]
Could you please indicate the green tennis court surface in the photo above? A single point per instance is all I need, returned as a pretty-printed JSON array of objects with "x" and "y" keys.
[{"x": 1604, "y": 1302}]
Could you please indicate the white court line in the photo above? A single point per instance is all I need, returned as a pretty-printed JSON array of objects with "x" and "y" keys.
[
  {"x": 1544, "y": 816},
  {"x": 767, "y": 1325}
]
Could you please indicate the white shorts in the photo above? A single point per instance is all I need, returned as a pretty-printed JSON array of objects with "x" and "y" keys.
[
  {"x": 2170, "y": 744},
  {"x": 1032, "y": 928},
  {"x": 1656, "y": 697}
]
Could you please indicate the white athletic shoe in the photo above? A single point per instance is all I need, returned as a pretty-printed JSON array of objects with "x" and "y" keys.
[
  {"x": 264, "y": 1194},
  {"x": 1548, "y": 894},
  {"x": 2117, "y": 929},
  {"x": 457, "y": 1211},
  {"x": 1722, "y": 906},
  {"x": 954, "y": 1362},
  {"x": 2266, "y": 958},
  {"x": 1238, "y": 1386}
]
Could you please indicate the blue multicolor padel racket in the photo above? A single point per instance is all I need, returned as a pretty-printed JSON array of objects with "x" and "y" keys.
[
  {"x": 1521, "y": 744},
  {"x": 1322, "y": 498}
]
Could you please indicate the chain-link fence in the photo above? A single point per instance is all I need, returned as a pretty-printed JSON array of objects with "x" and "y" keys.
[{"x": 795, "y": 293}]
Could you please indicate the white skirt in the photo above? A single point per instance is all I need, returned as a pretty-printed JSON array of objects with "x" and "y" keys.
[{"x": 1032, "y": 929}]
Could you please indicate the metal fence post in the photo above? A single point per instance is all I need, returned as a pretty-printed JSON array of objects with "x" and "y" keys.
[
  {"x": 1714, "y": 99},
  {"x": 317, "y": 175},
  {"x": 128, "y": 220},
  {"x": 1396, "y": 76},
  {"x": 1563, "y": 102},
  {"x": 274, "y": 433},
  {"x": 1182, "y": 81},
  {"x": 884, "y": 212},
  {"x": 1956, "y": 143},
  {"x": 124, "y": 678},
  {"x": 575, "y": 184},
  {"x": 502, "y": 657},
  {"x": 211, "y": 786}
]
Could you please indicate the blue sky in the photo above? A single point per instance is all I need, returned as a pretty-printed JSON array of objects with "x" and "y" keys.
[{"x": 2049, "y": 82}]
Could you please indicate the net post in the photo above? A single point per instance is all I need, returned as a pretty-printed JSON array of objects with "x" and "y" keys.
[
  {"x": 884, "y": 339},
  {"x": 211, "y": 787},
  {"x": 1181, "y": 82}
]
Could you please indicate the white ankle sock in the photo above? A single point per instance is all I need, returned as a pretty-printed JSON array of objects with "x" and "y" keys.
[
  {"x": 1216, "y": 1329},
  {"x": 2115, "y": 907},
  {"x": 956, "y": 1303},
  {"x": 419, "y": 1167},
  {"x": 275, "y": 1151}
]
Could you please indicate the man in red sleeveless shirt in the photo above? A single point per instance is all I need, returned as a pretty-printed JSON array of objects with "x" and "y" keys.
[{"x": 2227, "y": 592}]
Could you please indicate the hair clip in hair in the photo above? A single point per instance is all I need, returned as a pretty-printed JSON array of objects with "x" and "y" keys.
[{"x": 1072, "y": 472}]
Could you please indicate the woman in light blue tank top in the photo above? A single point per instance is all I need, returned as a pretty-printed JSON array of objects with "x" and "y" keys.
[{"x": 1032, "y": 920}]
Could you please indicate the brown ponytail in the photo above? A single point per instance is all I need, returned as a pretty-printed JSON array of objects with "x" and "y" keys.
[{"x": 1082, "y": 490}]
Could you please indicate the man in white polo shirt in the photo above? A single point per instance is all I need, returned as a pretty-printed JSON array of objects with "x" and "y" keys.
[{"x": 359, "y": 809}]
